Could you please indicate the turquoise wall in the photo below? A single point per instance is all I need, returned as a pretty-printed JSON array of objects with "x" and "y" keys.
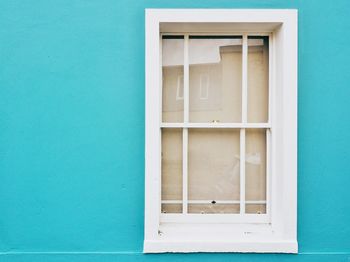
[{"x": 72, "y": 130}]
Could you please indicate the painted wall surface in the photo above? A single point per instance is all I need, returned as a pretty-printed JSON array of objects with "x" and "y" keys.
[{"x": 72, "y": 130}]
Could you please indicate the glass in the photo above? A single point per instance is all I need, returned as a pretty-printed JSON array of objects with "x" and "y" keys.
[
  {"x": 171, "y": 168},
  {"x": 173, "y": 78},
  {"x": 213, "y": 208},
  {"x": 255, "y": 209},
  {"x": 171, "y": 208},
  {"x": 258, "y": 79},
  {"x": 255, "y": 168},
  {"x": 215, "y": 79},
  {"x": 213, "y": 166}
]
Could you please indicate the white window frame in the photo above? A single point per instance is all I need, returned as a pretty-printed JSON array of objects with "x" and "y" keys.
[{"x": 277, "y": 230}]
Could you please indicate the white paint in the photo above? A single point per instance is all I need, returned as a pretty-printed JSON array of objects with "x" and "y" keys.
[
  {"x": 185, "y": 130},
  {"x": 247, "y": 246},
  {"x": 185, "y": 170},
  {"x": 242, "y": 171},
  {"x": 152, "y": 132},
  {"x": 244, "y": 78},
  {"x": 244, "y": 121},
  {"x": 186, "y": 80},
  {"x": 272, "y": 232}
]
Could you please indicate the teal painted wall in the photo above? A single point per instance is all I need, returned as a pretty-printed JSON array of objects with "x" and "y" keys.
[{"x": 72, "y": 130}]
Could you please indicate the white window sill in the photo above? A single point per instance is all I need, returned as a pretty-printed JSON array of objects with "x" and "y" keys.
[
  {"x": 174, "y": 237},
  {"x": 263, "y": 246}
]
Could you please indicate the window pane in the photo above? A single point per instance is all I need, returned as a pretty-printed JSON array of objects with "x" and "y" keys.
[
  {"x": 171, "y": 168},
  {"x": 215, "y": 78},
  {"x": 255, "y": 169},
  {"x": 213, "y": 166},
  {"x": 213, "y": 208},
  {"x": 171, "y": 208},
  {"x": 173, "y": 78},
  {"x": 255, "y": 209},
  {"x": 258, "y": 79}
]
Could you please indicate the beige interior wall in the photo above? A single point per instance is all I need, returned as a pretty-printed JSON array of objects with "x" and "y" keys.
[
  {"x": 258, "y": 83},
  {"x": 171, "y": 208},
  {"x": 224, "y": 101},
  {"x": 224, "y": 95},
  {"x": 213, "y": 169},
  {"x": 255, "y": 169},
  {"x": 171, "y": 164},
  {"x": 255, "y": 209},
  {"x": 213, "y": 209},
  {"x": 172, "y": 104}
]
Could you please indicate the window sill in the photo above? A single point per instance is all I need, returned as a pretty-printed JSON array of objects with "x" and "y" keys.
[
  {"x": 254, "y": 238},
  {"x": 183, "y": 246}
]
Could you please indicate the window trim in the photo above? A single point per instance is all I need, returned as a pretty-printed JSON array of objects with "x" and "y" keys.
[{"x": 280, "y": 234}]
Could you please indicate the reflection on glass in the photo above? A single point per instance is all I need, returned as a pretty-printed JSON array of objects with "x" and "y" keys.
[
  {"x": 255, "y": 169},
  {"x": 255, "y": 208},
  {"x": 171, "y": 168},
  {"x": 215, "y": 78},
  {"x": 258, "y": 79},
  {"x": 213, "y": 165},
  {"x": 171, "y": 208},
  {"x": 213, "y": 208},
  {"x": 173, "y": 80}
]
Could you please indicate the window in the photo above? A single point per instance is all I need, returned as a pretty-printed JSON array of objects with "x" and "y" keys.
[{"x": 221, "y": 103}]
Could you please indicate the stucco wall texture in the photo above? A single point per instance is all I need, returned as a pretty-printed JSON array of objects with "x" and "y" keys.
[{"x": 72, "y": 130}]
